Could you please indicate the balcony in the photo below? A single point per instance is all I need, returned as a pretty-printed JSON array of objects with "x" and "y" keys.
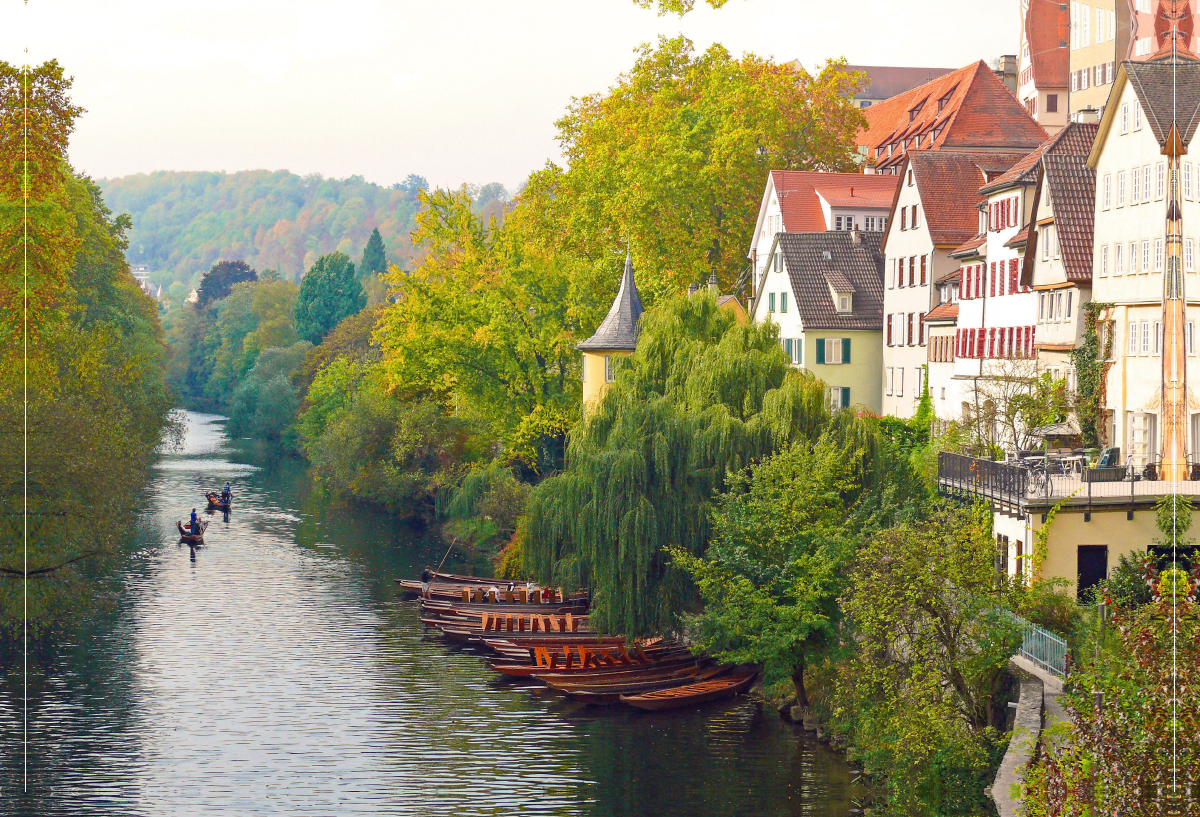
[{"x": 1019, "y": 489}]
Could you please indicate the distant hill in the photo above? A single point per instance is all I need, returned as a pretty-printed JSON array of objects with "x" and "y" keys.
[{"x": 183, "y": 222}]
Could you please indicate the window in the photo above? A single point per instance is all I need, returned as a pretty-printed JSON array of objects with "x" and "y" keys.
[
  {"x": 839, "y": 398},
  {"x": 1104, "y": 261},
  {"x": 1107, "y": 190},
  {"x": 923, "y": 260},
  {"x": 1121, "y": 188},
  {"x": 837, "y": 222},
  {"x": 1145, "y": 337},
  {"x": 833, "y": 350},
  {"x": 609, "y": 374},
  {"x": 771, "y": 302},
  {"x": 909, "y": 334},
  {"x": 1158, "y": 255},
  {"x": 1133, "y": 336},
  {"x": 1041, "y": 306},
  {"x": 1158, "y": 337},
  {"x": 1189, "y": 337},
  {"x": 1187, "y": 179},
  {"x": 1146, "y": 256},
  {"x": 914, "y": 216},
  {"x": 1189, "y": 255},
  {"x": 1051, "y": 103},
  {"x": 1137, "y": 187},
  {"x": 1058, "y": 307},
  {"x": 1133, "y": 257},
  {"x": 1119, "y": 267},
  {"x": 887, "y": 381},
  {"x": 903, "y": 218},
  {"x": 921, "y": 329},
  {"x": 1160, "y": 180},
  {"x": 1137, "y": 106},
  {"x": 1069, "y": 296},
  {"x": 910, "y": 178},
  {"x": 1145, "y": 183},
  {"x": 1045, "y": 234},
  {"x": 843, "y": 303},
  {"x": 912, "y": 270},
  {"x": 889, "y": 343},
  {"x": 1125, "y": 118},
  {"x": 783, "y": 301},
  {"x": 899, "y": 382}
]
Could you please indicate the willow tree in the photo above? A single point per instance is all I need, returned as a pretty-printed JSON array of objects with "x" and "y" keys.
[{"x": 702, "y": 397}]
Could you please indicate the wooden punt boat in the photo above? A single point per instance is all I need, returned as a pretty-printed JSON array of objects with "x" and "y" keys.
[
  {"x": 692, "y": 694},
  {"x": 481, "y": 593},
  {"x": 553, "y": 663},
  {"x": 215, "y": 502},
  {"x": 654, "y": 672},
  {"x": 191, "y": 538},
  {"x": 610, "y": 694}
]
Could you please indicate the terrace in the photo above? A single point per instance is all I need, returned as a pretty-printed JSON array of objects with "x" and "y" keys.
[{"x": 1019, "y": 488}]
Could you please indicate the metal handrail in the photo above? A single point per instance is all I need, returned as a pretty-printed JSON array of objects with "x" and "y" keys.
[{"x": 1045, "y": 649}]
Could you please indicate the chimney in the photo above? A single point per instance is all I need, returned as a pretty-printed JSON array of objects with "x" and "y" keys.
[
  {"x": 693, "y": 288},
  {"x": 1086, "y": 115},
  {"x": 712, "y": 283},
  {"x": 851, "y": 191},
  {"x": 855, "y": 237}
]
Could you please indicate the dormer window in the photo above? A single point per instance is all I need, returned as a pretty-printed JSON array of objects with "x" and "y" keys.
[{"x": 845, "y": 302}]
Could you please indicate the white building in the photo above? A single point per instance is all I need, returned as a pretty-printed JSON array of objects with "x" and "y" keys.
[
  {"x": 1132, "y": 184},
  {"x": 933, "y": 213}
]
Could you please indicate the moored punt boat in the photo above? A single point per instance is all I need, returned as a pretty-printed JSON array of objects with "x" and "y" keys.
[
  {"x": 588, "y": 661},
  {"x": 609, "y": 694},
  {"x": 654, "y": 672},
  {"x": 692, "y": 694},
  {"x": 215, "y": 501},
  {"x": 191, "y": 538},
  {"x": 491, "y": 591}
]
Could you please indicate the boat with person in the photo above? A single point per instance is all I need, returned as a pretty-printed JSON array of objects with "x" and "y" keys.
[
  {"x": 215, "y": 502},
  {"x": 186, "y": 534}
]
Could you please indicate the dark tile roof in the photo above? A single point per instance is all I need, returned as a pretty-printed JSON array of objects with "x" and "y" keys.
[
  {"x": 838, "y": 281},
  {"x": 1075, "y": 137},
  {"x": 808, "y": 270},
  {"x": 942, "y": 312},
  {"x": 949, "y": 183},
  {"x": 619, "y": 330},
  {"x": 1169, "y": 90},
  {"x": 1072, "y": 186}
]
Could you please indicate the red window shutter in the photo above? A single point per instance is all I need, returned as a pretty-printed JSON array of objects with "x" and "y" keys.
[
  {"x": 1011, "y": 330},
  {"x": 991, "y": 346},
  {"x": 958, "y": 341},
  {"x": 1012, "y": 275},
  {"x": 992, "y": 280},
  {"x": 921, "y": 329},
  {"x": 910, "y": 329},
  {"x": 889, "y": 330},
  {"x": 1029, "y": 330},
  {"x": 962, "y": 284},
  {"x": 980, "y": 341},
  {"x": 923, "y": 262},
  {"x": 912, "y": 270},
  {"x": 903, "y": 218}
]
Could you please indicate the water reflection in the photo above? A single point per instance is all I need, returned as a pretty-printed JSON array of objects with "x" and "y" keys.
[{"x": 274, "y": 671}]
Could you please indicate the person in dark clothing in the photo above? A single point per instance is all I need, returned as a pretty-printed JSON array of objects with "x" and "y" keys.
[
  {"x": 426, "y": 578},
  {"x": 226, "y": 493},
  {"x": 195, "y": 524}
]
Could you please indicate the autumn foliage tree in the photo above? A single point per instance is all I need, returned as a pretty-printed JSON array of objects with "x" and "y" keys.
[{"x": 672, "y": 160}]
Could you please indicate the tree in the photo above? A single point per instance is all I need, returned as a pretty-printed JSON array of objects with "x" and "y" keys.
[
  {"x": 219, "y": 280},
  {"x": 488, "y": 317},
  {"x": 702, "y": 397},
  {"x": 1014, "y": 398},
  {"x": 671, "y": 162},
  {"x": 374, "y": 261},
  {"x": 329, "y": 292},
  {"x": 680, "y": 7},
  {"x": 783, "y": 537}
]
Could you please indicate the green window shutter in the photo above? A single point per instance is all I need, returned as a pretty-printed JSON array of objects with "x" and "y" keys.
[
  {"x": 845, "y": 396},
  {"x": 820, "y": 350},
  {"x": 783, "y": 302},
  {"x": 845, "y": 350}
]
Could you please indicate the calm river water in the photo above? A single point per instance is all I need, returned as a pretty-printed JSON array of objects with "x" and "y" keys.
[{"x": 277, "y": 672}]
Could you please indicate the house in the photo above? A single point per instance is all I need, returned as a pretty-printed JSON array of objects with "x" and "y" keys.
[
  {"x": 966, "y": 110},
  {"x": 1133, "y": 250},
  {"x": 1058, "y": 261},
  {"x": 941, "y": 324},
  {"x": 886, "y": 81},
  {"x": 801, "y": 201},
  {"x": 933, "y": 213},
  {"x": 1045, "y": 59},
  {"x": 825, "y": 291},
  {"x": 616, "y": 337},
  {"x": 1100, "y": 41}
]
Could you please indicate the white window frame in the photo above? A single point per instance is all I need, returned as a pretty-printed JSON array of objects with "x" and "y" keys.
[
  {"x": 1160, "y": 180},
  {"x": 609, "y": 374},
  {"x": 1145, "y": 183},
  {"x": 1133, "y": 337},
  {"x": 1107, "y": 191},
  {"x": 1119, "y": 261},
  {"x": 1125, "y": 118},
  {"x": 1145, "y": 337},
  {"x": 1146, "y": 255},
  {"x": 1189, "y": 255},
  {"x": 1104, "y": 261},
  {"x": 1158, "y": 255},
  {"x": 887, "y": 383},
  {"x": 1120, "y": 188}
]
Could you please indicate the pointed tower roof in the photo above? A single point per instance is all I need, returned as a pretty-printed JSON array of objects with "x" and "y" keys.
[{"x": 619, "y": 330}]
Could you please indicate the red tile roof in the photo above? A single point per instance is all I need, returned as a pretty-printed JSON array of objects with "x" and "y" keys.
[
  {"x": 967, "y": 109},
  {"x": 948, "y": 182},
  {"x": 967, "y": 248},
  {"x": 796, "y": 191},
  {"x": 1020, "y": 238},
  {"x": 1047, "y": 28},
  {"x": 942, "y": 312}
]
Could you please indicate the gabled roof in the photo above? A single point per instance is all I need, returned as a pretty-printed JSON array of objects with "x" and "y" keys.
[
  {"x": 942, "y": 312},
  {"x": 1047, "y": 28},
  {"x": 838, "y": 281},
  {"x": 619, "y": 330},
  {"x": 1070, "y": 184},
  {"x": 948, "y": 182},
  {"x": 797, "y": 191},
  {"x": 1169, "y": 90},
  {"x": 886, "y": 81},
  {"x": 1020, "y": 238},
  {"x": 859, "y": 262},
  {"x": 969, "y": 247},
  {"x": 967, "y": 109}
]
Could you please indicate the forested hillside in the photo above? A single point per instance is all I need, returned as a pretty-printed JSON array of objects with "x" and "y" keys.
[{"x": 185, "y": 221}]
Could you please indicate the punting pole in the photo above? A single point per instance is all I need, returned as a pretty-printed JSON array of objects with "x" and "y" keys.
[{"x": 1174, "y": 371}]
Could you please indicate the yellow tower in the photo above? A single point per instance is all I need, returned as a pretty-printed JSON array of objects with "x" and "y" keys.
[{"x": 616, "y": 337}]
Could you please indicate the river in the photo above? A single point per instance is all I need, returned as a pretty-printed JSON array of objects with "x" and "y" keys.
[{"x": 276, "y": 671}]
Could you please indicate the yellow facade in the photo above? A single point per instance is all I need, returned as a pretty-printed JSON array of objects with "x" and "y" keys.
[{"x": 595, "y": 366}]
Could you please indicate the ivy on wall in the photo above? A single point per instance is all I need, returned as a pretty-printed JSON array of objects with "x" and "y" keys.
[{"x": 1092, "y": 359}]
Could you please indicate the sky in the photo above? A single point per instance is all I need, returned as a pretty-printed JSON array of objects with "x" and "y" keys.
[{"x": 454, "y": 90}]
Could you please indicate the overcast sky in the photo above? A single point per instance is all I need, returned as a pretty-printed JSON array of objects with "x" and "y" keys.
[{"x": 455, "y": 90}]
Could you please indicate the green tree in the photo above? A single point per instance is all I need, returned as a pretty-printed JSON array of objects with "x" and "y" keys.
[
  {"x": 671, "y": 162},
  {"x": 219, "y": 280},
  {"x": 374, "y": 259},
  {"x": 329, "y": 292},
  {"x": 488, "y": 318},
  {"x": 700, "y": 398},
  {"x": 783, "y": 537}
]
